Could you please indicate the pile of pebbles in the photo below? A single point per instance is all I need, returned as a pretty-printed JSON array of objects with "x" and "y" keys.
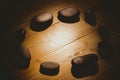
[{"x": 81, "y": 65}]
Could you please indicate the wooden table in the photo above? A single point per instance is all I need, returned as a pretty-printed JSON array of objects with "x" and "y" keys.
[{"x": 61, "y": 42}]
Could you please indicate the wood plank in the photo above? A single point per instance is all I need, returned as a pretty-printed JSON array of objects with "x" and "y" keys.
[
  {"x": 56, "y": 37},
  {"x": 81, "y": 43},
  {"x": 85, "y": 45},
  {"x": 33, "y": 71}
]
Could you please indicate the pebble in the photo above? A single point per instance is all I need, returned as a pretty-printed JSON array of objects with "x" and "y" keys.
[
  {"x": 41, "y": 21},
  {"x": 21, "y": 57},
  {"x": 82, "y": 61},
  {"x": 19, "y": 37},
  {"x": 69, "y": 15},
  {"x": 90, "y": 18},
  {"x": 105, "y": 50},
  {"x": 49, "y": 68}
]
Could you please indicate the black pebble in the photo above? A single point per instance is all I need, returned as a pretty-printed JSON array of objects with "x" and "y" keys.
[
  {"x": 69, "y": 15},
  {"x": 41, "y": 22},
  {"x": 105, "y": 50},
  {"x": 19, "y": 37},
  {"x": 21, "y": 57},
  {"x": 49, "y": 68},
  {"x": 80, "y": 72},
  {"x": 103, "y": 33},
  {"x": 90, "y": 18},
  {"x": 85, "y": 60},
  {"x": 84, "y": 65}
]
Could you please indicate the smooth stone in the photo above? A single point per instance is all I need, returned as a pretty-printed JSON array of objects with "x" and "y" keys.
[
  {"x": 41, "y": 21},
  {"x": 49, "y": 68},
  {"x": 80, "y": 72},
  {"x": 103, "y": 33},
  {"x": 69, "y": 15},
  {"x": 21, "y": 57},
  {"x": 105, "y": 50},
  {"x": 19, "y": 37},
  {"x": 82, "y": 61},
  {"x": 90, "y": 18}
]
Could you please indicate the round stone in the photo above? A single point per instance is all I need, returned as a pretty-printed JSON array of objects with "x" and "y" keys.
[
  {"x": 90, "y": 18},
  {"x": 85, "y": 60},
  {"x": 69, "y": 15},
  {"x": 105, "y": 50},
  {"x": 21, "y": 57},
  {"x": 44, "y": 17},
  {"x": 103, "y": 33},
  {"x": 24, "y": 53},
  {"x": 41, "y": 21},
  {"x": 49, "y": 68},
  {"x": 19, "y": 37}
]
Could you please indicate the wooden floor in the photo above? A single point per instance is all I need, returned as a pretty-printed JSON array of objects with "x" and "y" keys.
[{"x": 61, "y": 42}]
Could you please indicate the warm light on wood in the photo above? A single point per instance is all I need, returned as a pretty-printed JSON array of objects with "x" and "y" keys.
[{"x": 60, "y": 42}]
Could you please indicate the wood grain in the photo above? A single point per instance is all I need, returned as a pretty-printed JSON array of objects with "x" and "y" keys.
[{"x": 61, "y": 42}]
